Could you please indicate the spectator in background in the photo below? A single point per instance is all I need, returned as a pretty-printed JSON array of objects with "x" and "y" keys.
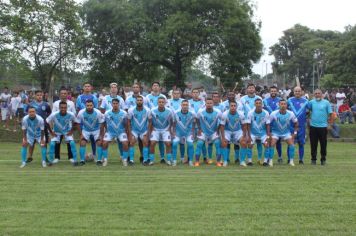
[
  {"x": 203, "y": 95},
  {"x": 345, "y": 112},
  {"x": 351, "y": 96},
  {"x": 187, "y": 94},
  {"x": 5, "y": 98},
  {"x": 340, "y": 97},
  {"x": 170, "y": 93},
  {"x": 353, "y": 110},
  {"x": 128, "y": 92},
  {"x": 13, "y": 107},
  {"x": 335, "y": 129}
]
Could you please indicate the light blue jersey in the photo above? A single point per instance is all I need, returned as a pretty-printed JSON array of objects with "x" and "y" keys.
[
  {"x": 175, "y": 104},
  {"x": 271, "y": 104},
  {"x": 196, "y": 105},
  {"x": 131, "y": 101},
  {"x": 219, "y": 107},
  {"x": 153, "y": 100},
  {"x": 299, "y": 106},
  {"x": 106, "y": 104},
  {"x": 258, "y": 122},
  {"x": 83, "y": 98},
  {"x": 247, "y": 103},
  {"x": 320, "y": 111},
  {"x": 281, "y": 123},
  {"x": 116, "y": 122},
  {"x": 90, "y": 121},
  {"x": 33, "y": 126},
  {"x": 232, "y": 122},
  {"x": 161, "y": 120},
  {"x": 209, "y": 121},
  {"x": 226, "y": 105},
  {"x": 184, "y": 122},
  {"x": 62, "y": 124},
  {"x": 139, "y": 119}
]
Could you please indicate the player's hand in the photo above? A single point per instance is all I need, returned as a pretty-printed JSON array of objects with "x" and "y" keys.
[
  {"x": 24, "y": 142},
  {"x": 249, "y": 139},
  {"x": 43, "y": 143},
  {"x": 199, "y": 132},
  {"x": 53, "y": 134},
  {"x": 70, "y": 133}
]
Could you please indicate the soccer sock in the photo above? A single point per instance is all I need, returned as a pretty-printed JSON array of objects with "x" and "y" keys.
[
  {"x": 224, "y": 153},
  {"x": 73, "y": 150},
  {"x": 161, "y": 149},
  {"x": 105, "y": 153},
  {"x": 174, "y": 149},
  {"x": 210, "y": 150},
  {"x": 145, "y": 153},
  {"x": 249, "y": 154},
  {"x": 259, "y": 150},
  {"x": 152, "y": 157},
  {"x": 23, "y": 154},
  {"x": 237, "y": 151},
  {"x": 266, "y": 154},
  {"x": 119, "y": 145},
  {"x": 182, "y": 150},
  {"x": 200, "y": 144},
  {"x": 301, "y": 151},
  {"x": 228, "y": 151},
  {"x": 82, "y": 153},
  {"x": 271, "y": 152},
  {"x": 217, "y": 149},
  {"x": 100, "y": 153},
  {"x": 52, "y": 146},
  {"x": 169, "y": 157},
  {"x": 44, "y": 153},
  {"x": 243, "y": 154},
  {"x": 125, "y": 155},
  {"x": 190, "y": 151},
  {"x": 93, "y": 145},
  {"x": 291, "y": 151},
  {"x": 288, "y": 153},
  {"x": 132, "y": 153},
  {"x": 279, "y": 148},
  {"x": 203, "y": 149}
]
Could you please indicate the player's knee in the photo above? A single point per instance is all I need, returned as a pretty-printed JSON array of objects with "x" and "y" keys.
[
  {"x": 83, "y": 143},
  {"x": 125, "y": 145}
]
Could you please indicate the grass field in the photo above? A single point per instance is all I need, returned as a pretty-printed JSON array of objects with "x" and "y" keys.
[{"x": 162, "y": 200}]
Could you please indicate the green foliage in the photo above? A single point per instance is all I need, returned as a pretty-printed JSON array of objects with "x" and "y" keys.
[{"x": 328, "y": 81}]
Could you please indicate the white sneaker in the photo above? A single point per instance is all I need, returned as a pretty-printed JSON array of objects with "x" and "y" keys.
[
  {"x": 270, "y": 163},
  {"x": 55, "y": 161},
  {"x": 124, "y": 162},
  {"x": 190, "y": 163},
  {"x": 105, "y": 162},
  {"x": 225, "y": 164},
  {"x": 71, "y": 160},
  {"x": 174, "y": 163},
  {"x": 169, "y": 163},
  {"x": 151, "y": 163},
  {"x": 243, "y": 164},
  {"x": 23, "y": 165},
  {"x": 44, "y": 164},
  {"x": 291, "y": 163}
]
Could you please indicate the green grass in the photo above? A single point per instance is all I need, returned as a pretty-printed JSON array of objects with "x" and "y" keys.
[{"x": 162, "y": 200}]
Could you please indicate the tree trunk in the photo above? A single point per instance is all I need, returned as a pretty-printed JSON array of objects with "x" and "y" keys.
[{"x": 50, "y": 89}]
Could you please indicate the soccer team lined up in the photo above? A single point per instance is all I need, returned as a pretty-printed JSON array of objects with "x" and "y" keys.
[{"x": 172, "y": 123}]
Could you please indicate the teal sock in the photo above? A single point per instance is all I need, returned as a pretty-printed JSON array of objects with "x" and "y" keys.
[
  {"x": 131, "y": 153},
  {"x": 291, "y": 151},
  {"x": 237, "y": 151},
  {"x": 82, "y": 153},
  {"x": 73, "y": 149},
  {"x": 152, "y": 157},
  {"x": 190, "y": 151},
  {"x": 145, "y": 153},
  {"x": 51, "y": 151},
  {"x": 242, "y": 154},
  {"x": 100, "y": 153},
  {"x": 44, "y": 153},
  {"x": 249, "y": 153},
  {"x": 23, "y": 154},
  {"x": 271, "y": 152},
  {"x": 266, "y": 153},
  {"x": 105, "y": 153},
  {"x": 259, "y": 150},
  {"x": 119, "y": 145},
  {"x": 169, "y": 157},
  {"x": 174, "y": 150},
  {"x": 224, "y": 152},
  {"x": 210, "y": 150},
  {"x": 125, "y": 155},
  {"x": 182, "y": 150}
]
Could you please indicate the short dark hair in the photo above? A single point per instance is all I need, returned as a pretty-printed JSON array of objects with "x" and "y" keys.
[
  {"x": 139, "y": 96},
  {"x": 195, "y": 89},
  {"x": 62, "y": 103},
  {"x": 282, "y": 100},
  {"x": 156, "y": 82},
  {"x": 209, "y": 98},
  {"x": 115, "y": 100},
  {"x": 215, "y": 93},
  {"x": 232, "y": 102},
  {"x": 185, "y": 100},
  {"x": 258, "y": 99},
  {"x": 89, "y": 101},
  {"x": 251, "y": 85},
  {"x": 38, "y": 91},
  {"x": 87, "y": 82},
  {"x": 160, "y": 98},
  {"x": 63, "y": 89},
  {"x": 31, "y": 107},
  {"x": 273, "y": 87}
]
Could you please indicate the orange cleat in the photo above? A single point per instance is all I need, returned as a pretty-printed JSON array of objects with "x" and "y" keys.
[
  {"x": 219, "y": 164},
  {"x": 196, "y": 163}
]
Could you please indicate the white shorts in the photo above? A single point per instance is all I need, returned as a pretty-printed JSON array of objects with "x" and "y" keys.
[
  {"x": 4, "y": 113},
  {"x": 262, "y": 138},
  {"x": 67, "y": 138},
  {"x": 164, "y": 136},
  {"x": 138, "y": 136},
  {"x": 208, "y": 139},
  {"x": 32, "y": 140},
  {"x": 284, "y": 137},
  {"x": 87, "y": 134},
  {"x": 233, "y": 137},
  {"x": 184, "y": 139},
  {"x": 122, "y": 137}
]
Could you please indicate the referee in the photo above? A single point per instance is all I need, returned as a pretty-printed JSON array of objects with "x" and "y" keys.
[{"x": 320, "y": 113}]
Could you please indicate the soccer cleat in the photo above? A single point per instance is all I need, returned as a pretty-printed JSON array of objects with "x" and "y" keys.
[
  {"x": 174, "y": 163},
  {"x": 237, "y": 161},
  {"x": 145, "y": 163},
  {"x": 169, "y": 163},
  {"x": 265, "y": 164},
  {"x": 151, "y": 163},
  {"x": 288, "y": 161},
  {"x": 124, "y": 162},
  {"x": 250, "y": 163},
  {"x": 30, "y": 159},
  {"x": 105, "y": 162},
  {"x": 225, "y": 164},
  {"x": 270, "y": 163},
  {"x": 23, "y": 165},
  {"x": 131, "y": 163},
  {"x": 163, "y": 161},
  {"x": 99, "y": 163},
  {"x": 75, "y": 163},
  {"x": 190, "y": 163},
  {"x": 196, "y": 163},
  {"x": 71, "y": 160},
  {"x": 55, "y": 161},
  {"x": 243, "y": 164},
  {"x": 44, "y": 164},
  {"x": 323, "y": 163},
  {"x": 291, "y": 163},
  {"x": 209, "y": 162},
  {"x": 280, "y": 161},
  {"x": 219, "y": 164},
  {"x": 313, "y": 162},
  {"x": 82, "y": 163},
  {"x": 186, "y": 162},
  {"x": 301, "y": 162}
]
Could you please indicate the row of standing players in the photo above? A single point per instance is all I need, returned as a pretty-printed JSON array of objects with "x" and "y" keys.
[{"x": 172, "y": 123}]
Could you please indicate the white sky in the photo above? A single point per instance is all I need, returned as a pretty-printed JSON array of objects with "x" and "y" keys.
[{"x": 279, "y": 15}]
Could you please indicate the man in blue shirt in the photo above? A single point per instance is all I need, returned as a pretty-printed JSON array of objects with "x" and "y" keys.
[
  {"x": 175, "y": 103},
  {"x": 320, "y": 113},
  {"x": 131, "y": 100}
]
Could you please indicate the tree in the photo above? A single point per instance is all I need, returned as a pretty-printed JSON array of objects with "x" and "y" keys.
[
  {"x": 128, "y": 36},
  {"x": 45, "y": 32}
]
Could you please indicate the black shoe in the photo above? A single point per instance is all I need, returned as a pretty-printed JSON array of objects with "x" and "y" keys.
[
  {"x": 265, "y": 164},
  {"x": 313, "y": 162},
  {"x": 237, "y": 161},
  {"x": 82, "y": 163},
  {"x": 250, "y": 164},
  {"x": 280, "y": 161},
  {"x": 141, "y": 159},
  {"x": 30, "y": 159},
  {"x": 99, "y": 163},
  {"x": 163, "y": 161},
  {"x": 75, "y": 163},
  {"x": 301, "y": 162},
  {"x": 131, "y": 163},
  {"x": 146, "y": 163},
  {"x": 288, "y": 161},
  {"x": 323, "y": 163}
]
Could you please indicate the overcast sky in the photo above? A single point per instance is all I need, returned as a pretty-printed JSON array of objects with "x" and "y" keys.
[{"x": 279, "y": 15}]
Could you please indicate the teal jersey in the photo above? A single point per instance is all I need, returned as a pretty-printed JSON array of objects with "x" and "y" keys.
[
  {"x": 161, "y": 120},
  {"x": 153, "y": 100},
  {"x": 258, "y": 122},
  {"x": 139, "y": 119},
  {"x": 320, "y": 111},
  {"x": 247, "y": 103},
  {"x": 196, "y": 105},
  {"x": 115, "y": 122},
  {"x": 232, "y": 122},
  {"x": 209, "y": 121},
  {"x": 220, "y": 107},
  {"x": 62, "y": 124},
  {"x": 83, "y": 98},
  {"x": 174, "y": 104},
  {"x": 33, "y": 126},
  {"x": 184, "y": 122},
  {"x": 90, "y": 121},
  {"x": 106, "y": 104},
  {"x": 281, "y": 123},
  {"x": 131, "y": 102}
]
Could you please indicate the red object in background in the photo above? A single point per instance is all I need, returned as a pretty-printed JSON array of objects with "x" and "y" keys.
[{"x": 344, "y": 107}]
